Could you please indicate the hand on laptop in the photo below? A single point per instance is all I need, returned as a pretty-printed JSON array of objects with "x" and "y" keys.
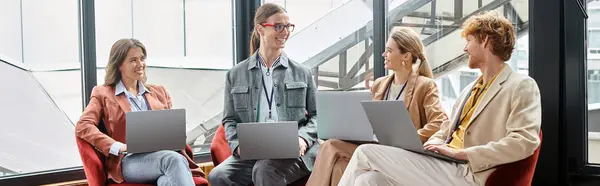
[
  {"x": 445, "y": 150},
  {"x": 123, "y": 149},
  {"x": 303, "y": 146}
]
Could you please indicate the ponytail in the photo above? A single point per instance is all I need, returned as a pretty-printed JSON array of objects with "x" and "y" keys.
[
  {"x": 254, "y": 42},
  {"x": 262, "y": 14},
  {"x": 424, "y": 69}
]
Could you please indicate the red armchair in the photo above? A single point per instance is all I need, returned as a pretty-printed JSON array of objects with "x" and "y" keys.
[
  {"x": 518, "y": 173},
  {"x": 94, "y": 168},
  {"x": 219, "y": 151}
]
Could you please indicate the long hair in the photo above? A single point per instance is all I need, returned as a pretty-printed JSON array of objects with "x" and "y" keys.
[
  {"x": 118, "y": 53},
  {"x": 262, "y": 14},
  {"x": 408, "y": 41}
]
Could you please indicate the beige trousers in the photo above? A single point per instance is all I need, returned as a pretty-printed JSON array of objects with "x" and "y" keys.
[
  {"x": 383, "y": 165},
  {"x": 331, "y": 162}
]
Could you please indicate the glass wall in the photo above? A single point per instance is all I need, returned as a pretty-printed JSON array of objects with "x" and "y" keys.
[
  {"x": 181, "y": 33},
  {"x": 190, "y": 47},
  {"x": 39, "y": 60},
  {"x": 593, "y": 83},
  {"x": 340, "y": 44}
]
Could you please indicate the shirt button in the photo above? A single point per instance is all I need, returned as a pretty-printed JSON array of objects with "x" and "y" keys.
[
  {"x": 278, "y": 105},
  {"x": 255, "y": 87},
  {"x": 254, "y": 108},
  {"x": 275, "y": 85}
]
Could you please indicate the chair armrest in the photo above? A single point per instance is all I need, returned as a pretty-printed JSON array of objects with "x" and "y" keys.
[
  {"x": 219, "y": 147},
  {"x": 92, "y": 164}
]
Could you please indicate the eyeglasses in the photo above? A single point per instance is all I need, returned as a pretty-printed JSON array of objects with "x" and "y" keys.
[{"x": 279, "y": 27}]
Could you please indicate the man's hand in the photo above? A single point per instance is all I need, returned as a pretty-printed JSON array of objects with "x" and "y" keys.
[
  {"x": 445, "y": 150},
  {"x": 123, "y": 149},
  {"x": 303, "y": 146}
]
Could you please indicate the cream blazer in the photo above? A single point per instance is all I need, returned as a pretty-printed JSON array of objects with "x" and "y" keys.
[{"x": 504, "y": 127}]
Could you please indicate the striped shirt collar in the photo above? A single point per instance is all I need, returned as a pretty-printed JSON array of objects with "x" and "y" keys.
[
  {"x": 120, "y": 88},
  {"x": 255, "y": 59}
]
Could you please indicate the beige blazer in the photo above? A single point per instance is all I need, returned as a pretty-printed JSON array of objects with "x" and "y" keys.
[
  {"x": 421, "y": 98},
  {"x": 504, "y": 127}
]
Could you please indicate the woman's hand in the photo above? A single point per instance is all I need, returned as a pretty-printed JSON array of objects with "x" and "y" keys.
[
  {"x": 368, "y": 78},
  {"x": 123, "y": 149}
]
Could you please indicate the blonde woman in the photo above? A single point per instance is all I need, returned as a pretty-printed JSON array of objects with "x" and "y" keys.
[{"x": 411, "y": 82}]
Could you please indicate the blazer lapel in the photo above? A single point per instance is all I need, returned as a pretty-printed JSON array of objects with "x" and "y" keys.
[
  {"x": 491, "y": 93},
  {"x": 382, "y": 88},
  {"x": 123, "y": 103},
  {"x": 410, "y": 86},
  {"x": 154, "y": 102}
]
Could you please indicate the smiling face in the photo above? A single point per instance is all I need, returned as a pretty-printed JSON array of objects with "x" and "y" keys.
[
  {"x": 393, "y": 57},
  {"x": 477, "y": 51},
  {"x": 275, "y": 30},
  {"x": 134, "y": 65}
]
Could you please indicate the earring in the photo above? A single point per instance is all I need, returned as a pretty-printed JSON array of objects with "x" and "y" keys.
[{"x": 403, "y": 62}]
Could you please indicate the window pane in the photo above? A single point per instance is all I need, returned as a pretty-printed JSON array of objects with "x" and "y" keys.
[
  {"x": 50, "y": 35},
  {"x": 182, "y": 33},
  {"x": 594, "y": 37},
  {"x": 209, "y": 33},
  {"x": 32, "y": 116},
  {"x": 593, "y": 11},
  {"x": 159, "y": 25},
  {"x": 593, "y": 83},
  {"x": 113, "y": 22},
  {"x": 45, "y": 95},
  {"x": 10, "y": 34}
]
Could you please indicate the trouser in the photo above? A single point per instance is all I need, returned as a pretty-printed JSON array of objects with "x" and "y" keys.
[
  {"x": 235, "y": 171},
  {"x": 385, "y": 165},
  {"x": 162, "y": 167},
  {"x": 331, "y": 162}
]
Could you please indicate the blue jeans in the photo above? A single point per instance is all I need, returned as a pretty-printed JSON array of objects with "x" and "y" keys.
[{"x": 162, "y": 167}]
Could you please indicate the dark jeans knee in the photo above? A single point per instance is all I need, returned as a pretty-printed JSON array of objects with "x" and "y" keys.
[
  {"x": 219, "y": 176},
  {"x": 265, "y": 172}
]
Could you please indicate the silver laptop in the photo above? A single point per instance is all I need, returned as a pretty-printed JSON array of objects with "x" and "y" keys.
[
  {"x": 149, "y": 131},
  {"x": 341, "y": 116},
  {"x": 394, "y": 127},
  {"x": 277, "y": 140}
]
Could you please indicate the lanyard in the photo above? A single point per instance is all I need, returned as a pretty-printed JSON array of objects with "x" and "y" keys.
[
  {"x": 389, "y": 89},
  {"x": 269, "y": 98},
  {"x": 460, "y": 119}
]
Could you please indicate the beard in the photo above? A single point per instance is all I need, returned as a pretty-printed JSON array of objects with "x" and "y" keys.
[{"x": 474, "y": 62}]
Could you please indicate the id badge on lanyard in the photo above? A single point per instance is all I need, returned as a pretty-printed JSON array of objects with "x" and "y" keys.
[{"x": 269, "y": 117}]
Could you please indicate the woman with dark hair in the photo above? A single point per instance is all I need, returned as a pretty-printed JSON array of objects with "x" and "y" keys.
[
  {"x": 125, "y": 90},
  {"x": 268, "y": 86}
]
